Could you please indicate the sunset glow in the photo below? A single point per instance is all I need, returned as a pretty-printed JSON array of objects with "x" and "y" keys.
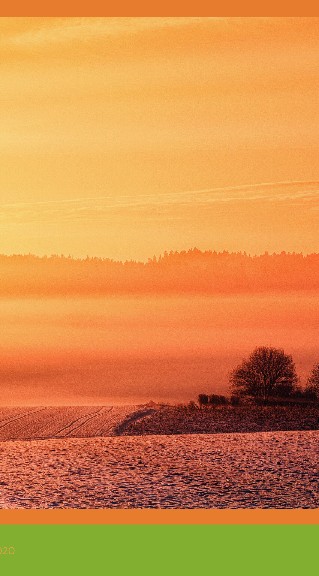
[
  {"x": 159, "y": 264},
  {"x": 170, "y": 151},
  {"x": 125, "y": 137}
]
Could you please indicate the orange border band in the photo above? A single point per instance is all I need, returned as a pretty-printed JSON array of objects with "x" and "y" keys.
[
  {"x": 160, "y": 516},
  {"x": 165, "y": 8}
]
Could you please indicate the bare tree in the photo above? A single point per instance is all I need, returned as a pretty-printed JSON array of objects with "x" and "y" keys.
[
  {"x": 267, "y": 372},
  {"x": 313, "y": 382}
]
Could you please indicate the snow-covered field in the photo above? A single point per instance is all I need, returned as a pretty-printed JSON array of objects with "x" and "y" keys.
[{"x": 263, "y": 469}]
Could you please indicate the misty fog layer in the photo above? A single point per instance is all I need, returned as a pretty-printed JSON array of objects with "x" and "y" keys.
[{"x": 132, "y": 349}]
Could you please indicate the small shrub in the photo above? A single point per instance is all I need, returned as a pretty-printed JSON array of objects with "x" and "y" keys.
[
  {"x": 192, "y": 405},
  {"x": 217, "y": 400},
  {"x": 203, "y": 400}
]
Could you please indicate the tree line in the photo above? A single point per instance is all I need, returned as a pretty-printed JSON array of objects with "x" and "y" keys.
[
  {"x": 267, "y": 375},
  {"x": 187, "y": 271}
]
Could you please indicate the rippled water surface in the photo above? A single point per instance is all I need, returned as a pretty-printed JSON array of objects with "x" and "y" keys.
[{"x": 266, "y": 469}]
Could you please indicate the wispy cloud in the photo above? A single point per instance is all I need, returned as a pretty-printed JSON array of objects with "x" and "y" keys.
[{"x": 103, "y": 207}]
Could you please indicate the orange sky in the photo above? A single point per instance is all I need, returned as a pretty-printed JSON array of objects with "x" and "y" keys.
[{"x": 125, "y": 137}]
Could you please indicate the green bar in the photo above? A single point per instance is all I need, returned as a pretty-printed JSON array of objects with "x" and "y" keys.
[{"x": 157, "y": 549}]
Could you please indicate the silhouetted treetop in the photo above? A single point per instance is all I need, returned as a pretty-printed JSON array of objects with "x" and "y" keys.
[{"x": 267, "y": 372}]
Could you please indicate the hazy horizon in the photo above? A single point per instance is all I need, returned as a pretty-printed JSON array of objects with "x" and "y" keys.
[{"x": 125, "y": 138}]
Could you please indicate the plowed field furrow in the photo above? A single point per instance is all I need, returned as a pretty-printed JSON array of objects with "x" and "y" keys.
[
  {"x": 17, "y": 428},
  {"x": 79, "y": 425},
  {"x": 7, "y": 414},
  {"x": 53, "y": 420},
  {"x": 22, "y": 413},
  {"x": 118, "y": 415},
  {"x": 38, "y": 423},
  {"x": 73, "y": 421},
  {"x": 92, "y": 426}
]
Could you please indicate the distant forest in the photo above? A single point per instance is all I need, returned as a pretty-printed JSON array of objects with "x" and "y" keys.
[{"x": 185, "y": 272}]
